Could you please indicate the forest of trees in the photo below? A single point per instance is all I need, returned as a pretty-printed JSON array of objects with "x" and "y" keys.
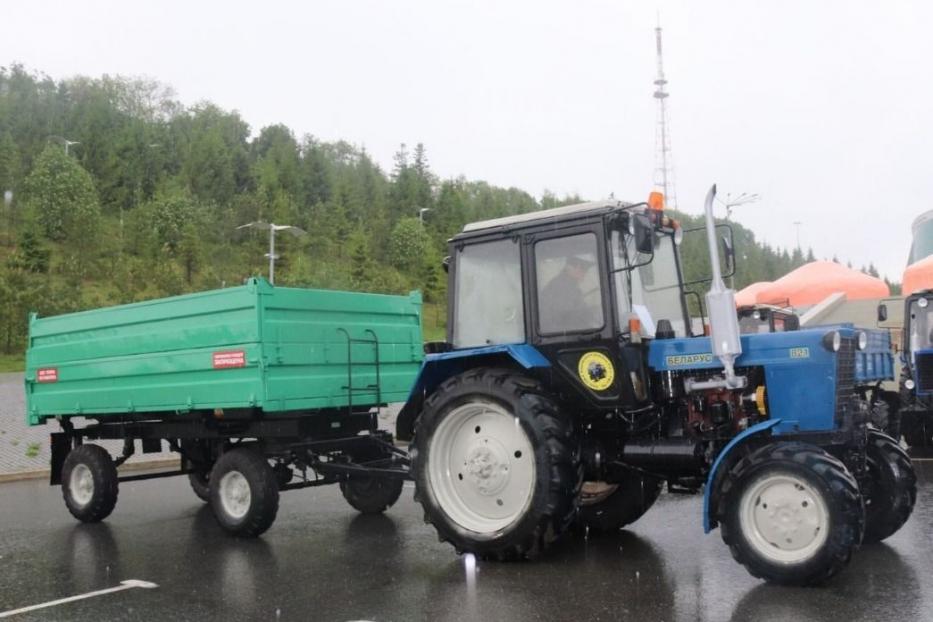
[{"x": 116, "y": 192}]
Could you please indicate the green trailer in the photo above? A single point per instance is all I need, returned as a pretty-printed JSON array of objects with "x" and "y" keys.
[{"x": 258, "y": 388}]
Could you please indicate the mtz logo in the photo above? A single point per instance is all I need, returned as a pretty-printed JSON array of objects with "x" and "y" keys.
[
  {"x": 800, "y": 353},
  {"x": 689, "y": 359}
]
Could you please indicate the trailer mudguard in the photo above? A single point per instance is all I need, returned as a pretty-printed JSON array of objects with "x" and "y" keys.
[
  {"x": 436, "y": 368},
  {"x": 708, "y": 519}
]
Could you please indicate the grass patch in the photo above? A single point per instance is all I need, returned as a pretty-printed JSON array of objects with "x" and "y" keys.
[
  {"x": 12, "y": 362},
  {"x": 32, "y": 450}
]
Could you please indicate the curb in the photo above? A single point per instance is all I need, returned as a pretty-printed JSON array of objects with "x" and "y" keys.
[{"x": 133, "y": 466}]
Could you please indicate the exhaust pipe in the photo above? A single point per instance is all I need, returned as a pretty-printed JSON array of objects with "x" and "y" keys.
[{"x": 723, "y": 321}]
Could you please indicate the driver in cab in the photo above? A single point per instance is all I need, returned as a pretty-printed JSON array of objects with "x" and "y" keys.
[{"x": 563, "y": 304}]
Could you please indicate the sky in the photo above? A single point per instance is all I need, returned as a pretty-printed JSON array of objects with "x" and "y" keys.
[{"x": 821, "y": 108}]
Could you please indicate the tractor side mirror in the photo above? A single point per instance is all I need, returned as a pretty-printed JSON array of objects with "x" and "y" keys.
[
  {"x": 882, "y": 312},
  {"x": 728, "y": 252},
  {"x": 644, "y": 234}
]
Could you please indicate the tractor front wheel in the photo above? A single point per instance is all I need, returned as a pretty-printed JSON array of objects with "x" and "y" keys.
[
  {"x": 496, "y": 464},
  {"x": 893, "y": 488},
  {"x": 791, "y": 514}
]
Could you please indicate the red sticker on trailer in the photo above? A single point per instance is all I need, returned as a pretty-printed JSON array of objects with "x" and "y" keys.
[
  {"x": 47, "y": 374},
  {"x": 226, "y": 360}
]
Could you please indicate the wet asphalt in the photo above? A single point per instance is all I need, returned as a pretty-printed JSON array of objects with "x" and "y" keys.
[{"x": 322, "y": 561}]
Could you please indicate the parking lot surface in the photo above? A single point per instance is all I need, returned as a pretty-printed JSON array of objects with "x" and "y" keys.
[{"x": 323, "y": 561}]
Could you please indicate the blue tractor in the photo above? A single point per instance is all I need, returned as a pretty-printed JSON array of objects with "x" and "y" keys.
[{"x": 572, "y": 387}]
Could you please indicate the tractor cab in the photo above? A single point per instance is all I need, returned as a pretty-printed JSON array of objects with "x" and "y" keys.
[
  {"x": 918, "y": 342},
  {"x": 592, "y": 278}
]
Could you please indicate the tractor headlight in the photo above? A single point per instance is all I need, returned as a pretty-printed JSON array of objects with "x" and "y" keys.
[
  {"x": 862, "y": 340},
  {"x": 922, "y": 303},
  {"x": 909, "y": 384},
  {"x": 832, "y": 341}
]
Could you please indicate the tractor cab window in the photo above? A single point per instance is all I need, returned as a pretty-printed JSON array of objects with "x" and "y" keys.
[
  {"x": 489, "y": 308},
  {"x": 921, "y": 326},
  {"x": 567, "y": 278},
  {"x": 653, "y": 286}
]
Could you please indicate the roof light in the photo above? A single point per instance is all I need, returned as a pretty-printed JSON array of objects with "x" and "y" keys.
[{"x": 656, "y": 201}]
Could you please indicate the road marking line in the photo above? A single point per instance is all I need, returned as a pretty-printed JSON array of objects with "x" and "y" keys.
[{"x": 124, "y": 585}]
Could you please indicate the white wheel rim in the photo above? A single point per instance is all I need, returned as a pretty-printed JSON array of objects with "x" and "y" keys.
[
  {"x": 481, "y": 467},
  {"x": 81, "y": 484},
  {"x": 235, "y": 495},
  {"x": 784, "y": 518}
]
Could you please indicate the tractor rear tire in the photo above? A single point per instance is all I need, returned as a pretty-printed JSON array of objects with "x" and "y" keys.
[
  {"x": 633, "y": 497},
  {"x": 893, "y": 490},
  {"x": 496, "y": 465},
  {"x": 815, "y": 522},
  {"x": 371, "y": 495},
  {"x": 89, "y": 483},
  {"x": 244, "y": 492}
]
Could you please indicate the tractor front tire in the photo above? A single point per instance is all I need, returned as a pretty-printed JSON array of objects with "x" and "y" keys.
[
  {"x": 89, "y": 483},
  {"x": 244, "y": 492},
  {"x": 893, "y": 489},
  {"x": 371, "y": 495},
  {"x": 496, "y": 465},
  {"x": 633, "y": 496},
  {"x": 791, "y": 514}
]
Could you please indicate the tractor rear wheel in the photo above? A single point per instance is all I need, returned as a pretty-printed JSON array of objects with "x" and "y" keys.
[
  {"x": 791, "y": 513},
  {"x": 630, "y": 499},
  {"x": 496, "y": 464},
  {"x": 893, "y": 490}
]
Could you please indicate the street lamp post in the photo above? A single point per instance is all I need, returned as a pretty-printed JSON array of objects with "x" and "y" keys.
[
  {"x": 65, "y": 142},
  {"x": 797, "y": 224},
  {"x": 742, "y": 199},
  {"x": 272, "y": 227}
]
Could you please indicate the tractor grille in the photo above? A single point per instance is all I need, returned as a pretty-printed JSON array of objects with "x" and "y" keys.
[
  {"x": 845, "y": 378},
  {"x": 923, "y": 364}
]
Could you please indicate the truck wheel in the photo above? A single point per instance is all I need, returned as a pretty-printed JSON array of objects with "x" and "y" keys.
[
  {"x": 371, "y": 495},
  {"x": 200, "y": 484},
  {"x": 89, "y": 483},
  {"x": 893, "y": 491},
  {"x": 244, "y": 492},
  {"x": 791, "y": 514},
  {"x": 631, "y": 498},
  {"x": 496, "y": 464}
]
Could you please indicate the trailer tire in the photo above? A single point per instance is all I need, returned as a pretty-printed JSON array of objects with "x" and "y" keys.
[
  {"x": 633, "y": 497},
  {"x": 817, "y": 518},
  {"x": 893, "y": 492},
  {"x": 496, "y": 465},
  {"x": 371, "y": 495},
  {"x": 244, "y": 492},
  {"x": 89, "y": 483},
  {"x": 201, "y": 484}
]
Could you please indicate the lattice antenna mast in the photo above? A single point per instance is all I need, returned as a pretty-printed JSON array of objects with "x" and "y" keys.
[{"x": 664, "y": 165}]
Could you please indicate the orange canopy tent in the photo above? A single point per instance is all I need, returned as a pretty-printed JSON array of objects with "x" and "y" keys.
[
  {"x": 918, "y": 276},
  {"x": 811, "y": 283},
  {"x": 746, "y": 297}
]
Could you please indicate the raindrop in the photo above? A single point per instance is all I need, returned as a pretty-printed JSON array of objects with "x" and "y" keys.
[{"x": 278, "y": 613}]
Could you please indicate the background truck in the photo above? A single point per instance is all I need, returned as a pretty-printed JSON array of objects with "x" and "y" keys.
[
  {"x": 530, "y": 419},
  {"x": 259, "y": 389}
]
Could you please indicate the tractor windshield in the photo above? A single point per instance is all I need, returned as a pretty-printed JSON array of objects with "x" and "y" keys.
[{"x": 654, "y": 286}]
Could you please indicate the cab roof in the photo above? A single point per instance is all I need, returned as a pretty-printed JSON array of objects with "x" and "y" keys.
[{"x": 543, "y": 216}]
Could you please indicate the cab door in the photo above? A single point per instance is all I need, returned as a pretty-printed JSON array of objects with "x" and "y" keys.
[{"x": 573, "y": 321}]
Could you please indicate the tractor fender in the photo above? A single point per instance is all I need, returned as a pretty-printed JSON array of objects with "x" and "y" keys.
[
  {"x": 708, "y": 520},
  {"x": 437, "y": 368}
]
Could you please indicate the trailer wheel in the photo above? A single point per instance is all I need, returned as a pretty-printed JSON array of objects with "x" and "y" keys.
[
  {"x": 496, "y": 464},
  {"x": 791, "y": 514},
  {"x": 371, "y": 495},
  {"x": 631, "y": 498},
  {"x": 244, "y": 492},
  {"x": 89, "y": 483},
  {"x": 201, "y": 484},
  {"x": 893, "y": 491}
]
